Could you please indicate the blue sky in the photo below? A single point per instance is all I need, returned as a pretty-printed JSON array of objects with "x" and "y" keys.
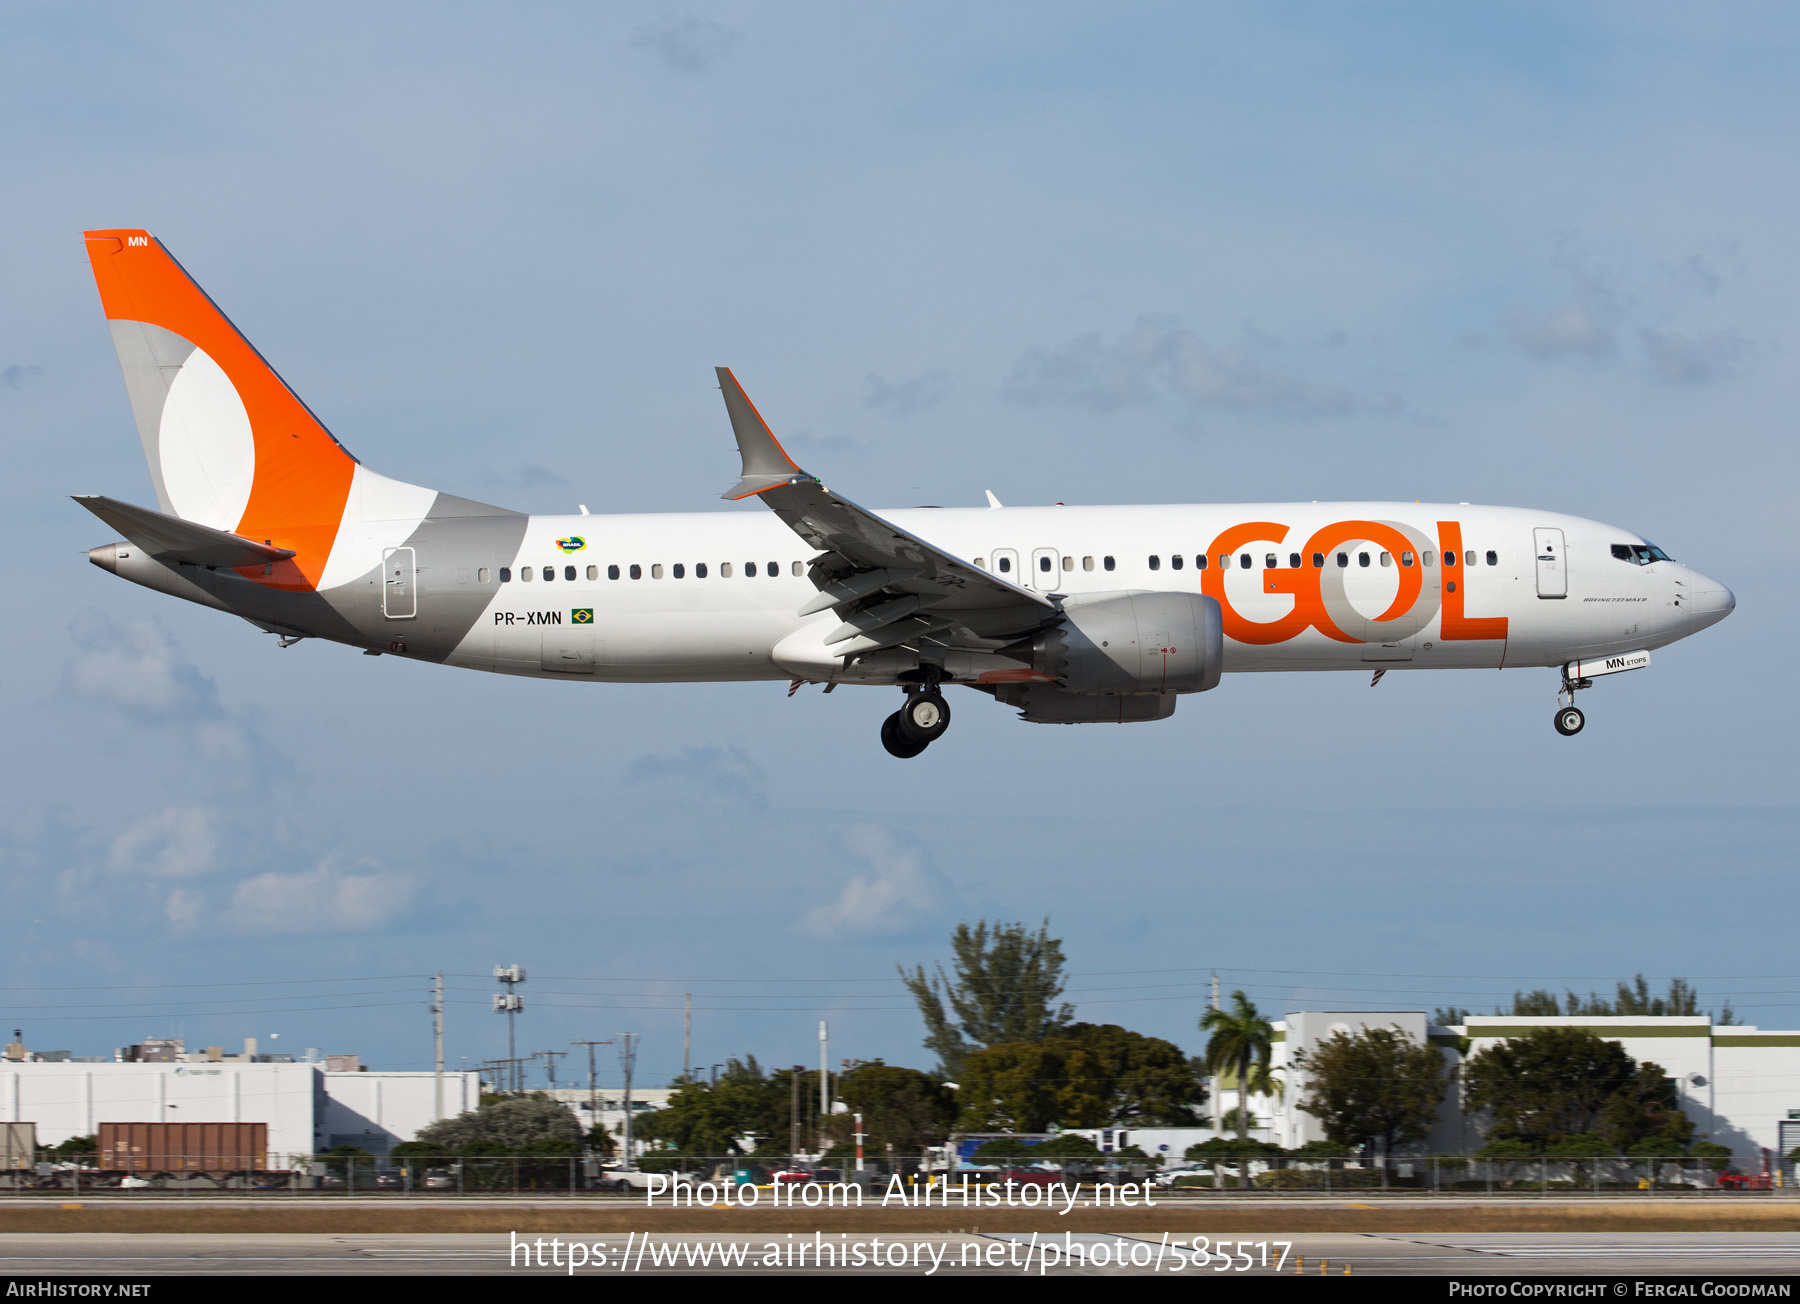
[{"x": 1521, "y": 254}]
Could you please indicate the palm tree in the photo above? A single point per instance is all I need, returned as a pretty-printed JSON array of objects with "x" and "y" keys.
[{"x": 1241, "y": 1039}]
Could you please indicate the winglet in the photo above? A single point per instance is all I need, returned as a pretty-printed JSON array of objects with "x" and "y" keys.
[{"x": 766, "y": 463}]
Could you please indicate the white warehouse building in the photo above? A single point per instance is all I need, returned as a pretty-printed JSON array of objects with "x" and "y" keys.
[
  {"x": 308, "y": 1108},
  {"x": 1739, "y": 1085}
]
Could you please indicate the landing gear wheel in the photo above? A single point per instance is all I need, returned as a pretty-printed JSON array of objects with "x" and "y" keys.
[
  {"x": 1569, "y": 720},
  {"x": 924, "y": 718},
  {"x": 896, "y": 742}
]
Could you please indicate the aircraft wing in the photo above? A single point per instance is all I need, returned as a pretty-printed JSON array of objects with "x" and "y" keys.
[
  {"x": 169, "y": 538},
  {"x": 889, "y": 584}
]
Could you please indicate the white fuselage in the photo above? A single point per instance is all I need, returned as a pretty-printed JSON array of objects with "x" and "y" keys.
[{"x": 1381, "y": 600}]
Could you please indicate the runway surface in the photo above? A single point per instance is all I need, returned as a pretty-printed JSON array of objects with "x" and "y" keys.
[{"x": 1652, "y": 1254}]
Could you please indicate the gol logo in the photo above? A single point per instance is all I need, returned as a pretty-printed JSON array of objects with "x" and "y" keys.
[
  {"x": 1318, "y": 591},
  {"x": 574, "y": 543}
]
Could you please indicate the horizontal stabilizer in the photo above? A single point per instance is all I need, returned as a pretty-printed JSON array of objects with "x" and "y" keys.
[{"x": 171, "y": 539}]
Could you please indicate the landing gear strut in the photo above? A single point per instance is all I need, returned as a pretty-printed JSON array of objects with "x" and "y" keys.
[
  {"x": 920, "y": 722},
  {"x": 1568, "y": 718}
]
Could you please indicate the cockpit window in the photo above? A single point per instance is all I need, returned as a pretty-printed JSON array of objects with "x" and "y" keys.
[{"x": 1639, "y": 554}]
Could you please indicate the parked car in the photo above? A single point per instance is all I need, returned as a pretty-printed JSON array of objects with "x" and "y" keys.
[
  {"x": 630, "y": 1179},
  {"x": 438, "y": 1179}
]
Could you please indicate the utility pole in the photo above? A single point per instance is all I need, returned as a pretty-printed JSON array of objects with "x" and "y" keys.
[
  {"x": 511, "y": 1005},
  {"x": 593, "y": 1091},
  {"x": 550, "y": 1059},
  {"x": 627, "y": 1056},
  {"x": 437, "y": 1031},
  {"x": 794, "y": 1113},
  {"x": 1216, "y": 1079},
  {"x": 824, "y": 1079},
  {"x": 687, "y": 1034}
]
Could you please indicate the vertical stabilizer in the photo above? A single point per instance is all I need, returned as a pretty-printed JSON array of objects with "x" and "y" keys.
[{"x": 230, "y": 446}]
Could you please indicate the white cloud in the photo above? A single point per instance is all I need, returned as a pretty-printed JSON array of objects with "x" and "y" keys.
[
  {"x": 1159, "y": 358},
  {"x": 899, "y": 891},
  {"x": 136, "y": 666},
  {"x": 688, "y": 44},
  {"x": 183, "y": 909},
  {"x": 705, "y": 775},
  {"x": 175, "y": 843},
  {"x": 325, "y": 899}
]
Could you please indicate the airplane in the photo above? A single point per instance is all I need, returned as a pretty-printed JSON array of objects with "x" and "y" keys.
[{"x": 1070, "y": 615}]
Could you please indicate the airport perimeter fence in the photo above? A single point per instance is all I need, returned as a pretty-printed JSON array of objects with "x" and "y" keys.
[{"x": 674, "y": 1177}]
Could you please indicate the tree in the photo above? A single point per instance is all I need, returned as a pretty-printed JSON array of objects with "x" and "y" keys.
[
  {"x": 1087, "y": 1075},
  {"x": 1374, "y": 1085},
  {"x": 1007, "y": 980},
  {"x": 1555, "y": 1083},
  {"x": 745, "y": 1105},
  {"x": 1240, "y": 1038},
  {"x": 511, "y": 1123},
  {"x": 1630, "y": 999},
  {"x": 902, "y": 1108}
]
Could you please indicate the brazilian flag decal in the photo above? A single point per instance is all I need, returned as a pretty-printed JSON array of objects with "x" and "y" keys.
[{"x": 584, "y": 616}]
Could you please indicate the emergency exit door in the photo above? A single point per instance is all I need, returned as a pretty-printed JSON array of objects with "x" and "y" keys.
[{"x": 1552, "y": 568}]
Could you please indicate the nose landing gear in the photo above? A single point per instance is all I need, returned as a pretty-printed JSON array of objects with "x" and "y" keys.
[
  {"x": 1568, "y": 718},
  {"x": 917, "y": 724}
]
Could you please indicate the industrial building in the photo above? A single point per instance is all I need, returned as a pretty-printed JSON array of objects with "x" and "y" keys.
[
  {"x": 1739, "y": 1085},
  {"x": 309, "y": 1108}
]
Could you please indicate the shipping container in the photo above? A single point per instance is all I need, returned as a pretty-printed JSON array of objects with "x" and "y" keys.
[
  {"x": 18, "y": 1145},
  {"x": 184, "y": 1147}
]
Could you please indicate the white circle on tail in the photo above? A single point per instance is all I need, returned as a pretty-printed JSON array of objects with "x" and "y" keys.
[{"x": 207, "y": 452}]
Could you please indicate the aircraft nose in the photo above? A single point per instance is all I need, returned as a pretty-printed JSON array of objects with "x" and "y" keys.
[{"x": 1711, "y": 602}]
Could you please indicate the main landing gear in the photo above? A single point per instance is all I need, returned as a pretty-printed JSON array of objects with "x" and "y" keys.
[
  {"x": 920, "y": 722},
  {"x": 1568, "y": 718}
]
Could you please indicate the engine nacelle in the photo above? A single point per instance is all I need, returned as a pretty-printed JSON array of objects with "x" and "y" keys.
[{"x": 1140, "y": 641}]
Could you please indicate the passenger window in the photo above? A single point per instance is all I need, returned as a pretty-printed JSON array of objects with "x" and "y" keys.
[
  {"x": 656, "y": 571},
  {"x": 1107, "y": 562},
  {"x": 1200, "y": 561},
  {"x": 1362, "y": 559},
  {"x": 549, "y": 572},
  {"x": 1387, "y": 559},
  {"x": 525, "y": 573},
  {"x": 700, "y": 570},
  {"x": 1293, "y": 561},
  {"x": 680, "y": 571},
  {"x": 506, "y": 574},
  {"x": 593, "y": 572},
  {"x": 1343, "y": 560},
  {"x": 1272, "y": 563},
  {"x": 1087, "y": 563},
  {"x": 1406, "y": 559},
  {"x": 1044, "y": 564},
  {"x": 750, "y": 570},
  {"x": 1318, "y": 561},
  {"x": 481, "y": 575},
  {"x": 612, "y": 572},
  {"x": 1469, "y": 557},
  {"x": 1449, "y": 559},
  {"x": 637, "y": 572},
  {"x": 1176, "y": 562},
  {"x": 568, "y": 572},
  {"x": 1493, "y": 558},
  {"x": 724, "y": 570},
  {"x": 1244, "y": 561},
  {"x": 981, "y": 563},
  {"x": 799, "y": 569},
  {"x": 774, "y": 570},
  {"x": 1426, "y": 556},
  {"x": 1068, "y": 563},
  {"x": 1155, "y": 562},
  {"x": 1005, "y": 565}
]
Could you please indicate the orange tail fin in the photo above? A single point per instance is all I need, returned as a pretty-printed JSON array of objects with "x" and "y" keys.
[{"x": 229, "y": 444}]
